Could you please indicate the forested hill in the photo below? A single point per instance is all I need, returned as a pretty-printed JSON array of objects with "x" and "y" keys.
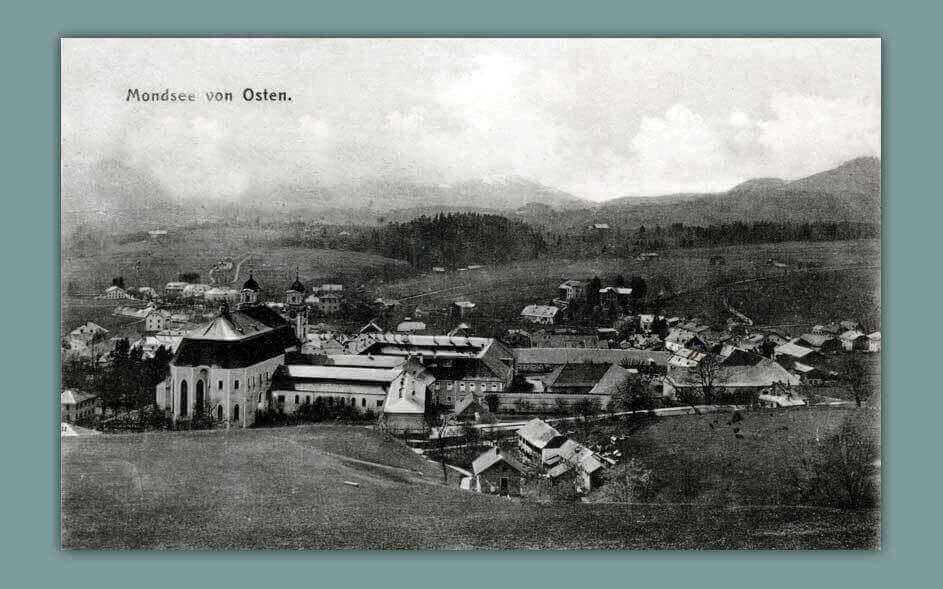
[{"x": 455, "y": 240}]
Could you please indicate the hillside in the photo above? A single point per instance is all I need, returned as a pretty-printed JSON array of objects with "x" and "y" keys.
[
  {"x": 489, "y": 193},
  {"x": 284, "y": 489},
  {"x": 849, "y": 193}
]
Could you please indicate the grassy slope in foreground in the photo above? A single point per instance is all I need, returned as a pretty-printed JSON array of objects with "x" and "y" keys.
[{"x": 284, "y": 488}]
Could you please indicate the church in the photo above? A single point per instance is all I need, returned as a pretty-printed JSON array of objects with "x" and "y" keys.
[{"x": 224, "y": 369}]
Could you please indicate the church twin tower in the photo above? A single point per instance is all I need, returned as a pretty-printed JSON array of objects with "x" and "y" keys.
[{"x": 295, "y": 309}]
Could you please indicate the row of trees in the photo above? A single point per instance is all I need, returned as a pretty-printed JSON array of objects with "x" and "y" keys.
[{"x": 127, "y": 382}]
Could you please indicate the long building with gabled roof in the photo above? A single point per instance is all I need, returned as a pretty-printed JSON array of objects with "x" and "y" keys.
[
  {"x": 460, "y": 365},
  {"x": 392, "y": 386}
]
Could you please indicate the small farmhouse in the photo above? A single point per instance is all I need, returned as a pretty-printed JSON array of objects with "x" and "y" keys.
[{"x": 498, "y": 474}]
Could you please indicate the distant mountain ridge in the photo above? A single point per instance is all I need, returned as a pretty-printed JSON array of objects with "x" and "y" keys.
[
  {"x": 116, "y": 196},
  {"x": 850, "y": 192}
]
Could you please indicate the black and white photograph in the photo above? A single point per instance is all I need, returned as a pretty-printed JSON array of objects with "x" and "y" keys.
[{"x": 470, "y": 293}]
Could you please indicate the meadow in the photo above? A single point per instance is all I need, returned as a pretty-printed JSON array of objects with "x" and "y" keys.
[
  {"x": 285, "y": 488},
  {"x": 717, "y": 459},
  {"x": 823, "y": 281}
]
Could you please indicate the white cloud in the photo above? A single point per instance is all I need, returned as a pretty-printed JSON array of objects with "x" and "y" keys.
[{"x": 598, "y": 117}]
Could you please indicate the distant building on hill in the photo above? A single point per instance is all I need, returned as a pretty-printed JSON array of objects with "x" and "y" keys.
[
  {"x": 116, "y": 292},
  {"x": 540, "y": 314},
  {"x": 174, "y": 290},
  {"x": 573, "y": 290},
  {"x": 157, "y": 320}
]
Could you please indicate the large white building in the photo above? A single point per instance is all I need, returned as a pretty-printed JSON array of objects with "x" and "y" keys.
[
  {"x": 226, "y": 367},
  {"x": 394, "y": 387}
]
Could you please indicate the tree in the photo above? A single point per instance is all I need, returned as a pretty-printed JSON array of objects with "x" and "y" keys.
[
  {"x": 626, "y": 483},
  {"x": 437, "y": 419},
  {"x": 840, "y": 470},
  {"x": 639, "y": 288},
  {"x": 707, "y": 375},
  {"x": 633, "y": 395},
  {"x": 493, "y": 401},
  {"x": 848, "y": 464},
  {"x": 118, "y": 281},
  {"x": 855, "y": 375},
  {"x": 189, "y": 277},
  {"x": 592, "y": 294}
]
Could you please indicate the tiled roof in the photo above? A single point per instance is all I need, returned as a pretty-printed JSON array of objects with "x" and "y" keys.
[
  {"x": 539, "y": 311},
  {"x": 73, "y": 397},
  {"x": 538, "y": 433},
  {"x": 492, "y": 457},
  {"x": 582, "y": 374},
  {"x": 575, "y": 355},
  {"x": 764, "y": 374},
  {"x": 794, "y": 350}
]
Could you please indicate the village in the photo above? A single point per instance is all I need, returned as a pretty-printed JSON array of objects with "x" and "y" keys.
[{"x": 504, "y": 415}]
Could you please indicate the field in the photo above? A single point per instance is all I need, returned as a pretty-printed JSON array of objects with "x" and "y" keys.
[
  {"x": 284, "y": 488},
  {"x": 824, "y": 281},
  {"x": 701, "y": 459},
  {"x": 154, "y": 263}
]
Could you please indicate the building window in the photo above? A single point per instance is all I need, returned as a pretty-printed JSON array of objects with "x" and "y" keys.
[
  {"x": 363, "y": 402},
  {"x": 219, "y": 385},
  {"x": 236, "y": 384},
  {"x": 494, "y": 386},
  {"x": 296, "y": 399},
  {"x": 379, "y": 403}
]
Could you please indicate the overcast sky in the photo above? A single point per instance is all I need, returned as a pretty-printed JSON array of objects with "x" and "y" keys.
[{"x": 600, "y": 118}]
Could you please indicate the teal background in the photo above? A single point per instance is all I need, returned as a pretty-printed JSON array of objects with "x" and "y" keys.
[{"x": 29, "y": 104}]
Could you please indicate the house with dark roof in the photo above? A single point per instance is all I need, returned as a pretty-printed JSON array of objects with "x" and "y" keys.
[
  {"x": 497, "y": 473},
  {"x": 225, "y": 367}
]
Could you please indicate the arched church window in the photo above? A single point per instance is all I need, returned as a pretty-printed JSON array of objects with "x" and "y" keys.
[{"x": 184, "y": 404}]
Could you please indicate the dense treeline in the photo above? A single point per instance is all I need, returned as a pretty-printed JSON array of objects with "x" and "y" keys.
[
  {"x": 125, "y": 383},
  {"x": 454, "y": 240},
  {"x": 690, "y": 236}
]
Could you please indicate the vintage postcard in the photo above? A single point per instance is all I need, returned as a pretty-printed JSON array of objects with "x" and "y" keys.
[{"x": 470, "y": 293}]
